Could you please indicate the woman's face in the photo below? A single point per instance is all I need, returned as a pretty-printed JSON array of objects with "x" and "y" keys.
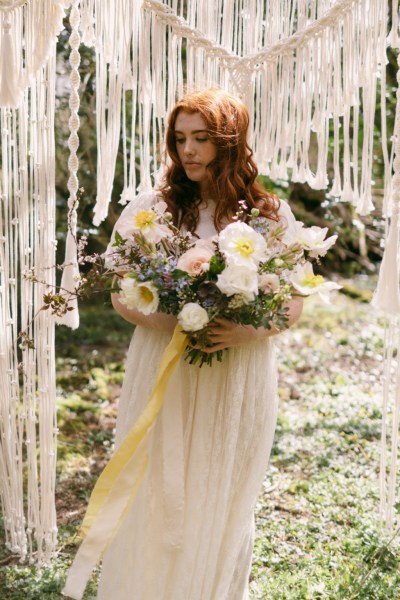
[{"x": 194, "y": 147}]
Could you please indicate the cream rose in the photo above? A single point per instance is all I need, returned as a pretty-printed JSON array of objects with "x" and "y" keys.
[
  {"x": 193, "y": 317},
  {"x": 238, "y": 280},
  {"x": 268, "y": 282},
  {"x": 196, "y": 260}
]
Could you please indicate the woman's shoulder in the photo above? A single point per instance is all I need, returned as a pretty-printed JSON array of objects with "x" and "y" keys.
[
  {"x": 284, "y": 216},
  {"x": 288, "y": 220},
  {"x": 278, "y": 207},
  {"x": 143, "y": 200},
  {"x": 284, "y": 211}
]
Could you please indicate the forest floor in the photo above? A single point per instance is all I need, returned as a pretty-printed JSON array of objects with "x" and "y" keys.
[{"x": 318, "y": 533}]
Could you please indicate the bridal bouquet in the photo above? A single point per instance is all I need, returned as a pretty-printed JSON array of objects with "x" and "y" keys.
[{"x": 246, "y": 273}]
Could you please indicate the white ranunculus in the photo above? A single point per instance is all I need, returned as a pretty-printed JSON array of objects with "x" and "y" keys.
[
  {"x": 193, "y": 317},
  {"x": 268, "y": 282},
  {"x": 141, "y": 296},
  {"x": 304, "y": 281},
  {"x": 242, "y": 246},
  {"x": 238, "y": 280},
  {"x": 127, "y": 294},
  {"x": 313, "y": 239}
]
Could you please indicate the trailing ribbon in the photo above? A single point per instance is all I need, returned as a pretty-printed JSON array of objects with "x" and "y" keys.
[{"x": 116, "y": 487}]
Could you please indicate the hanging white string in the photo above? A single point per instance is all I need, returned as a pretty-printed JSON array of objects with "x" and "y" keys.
[
  {"x": 70, "y": 276},
  {"x": 27, "y": 245},
  {"x": 387, "y": 298},
  {"x": 21, "y": 62},
  {"x": 320, "y": 58}
]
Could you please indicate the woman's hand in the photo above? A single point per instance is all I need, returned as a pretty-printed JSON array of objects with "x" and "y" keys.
[{"x": 223, "y": 333}]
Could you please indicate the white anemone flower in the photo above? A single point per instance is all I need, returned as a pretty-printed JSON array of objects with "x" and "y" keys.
[
  {"x": 307, "y": 283},
  {"x": 142, "y": 296},
  {"x": 242, "y": 246},
  {"x": 238, "y": 280},
  {"x": 313, "y": 239},
  {"x": 147, "y": 223}
]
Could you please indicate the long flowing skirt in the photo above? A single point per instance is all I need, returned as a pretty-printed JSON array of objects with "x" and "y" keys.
[{"x": 189, "y": 533}]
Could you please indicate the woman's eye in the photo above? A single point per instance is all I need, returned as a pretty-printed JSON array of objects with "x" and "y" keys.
[
  {"x": 179, "y": 140},
  {"x": 201, "y": 139}
]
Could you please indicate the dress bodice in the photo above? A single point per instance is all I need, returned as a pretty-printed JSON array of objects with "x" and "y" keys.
[{"x": 205, "y": 227}]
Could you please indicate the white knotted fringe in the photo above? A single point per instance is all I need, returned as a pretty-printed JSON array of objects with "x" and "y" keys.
[
  {"x": 387, "y": 293},
  {"x": 9, "y": 92},
  {"x": 115, "y": 23},
  {"x": 37, "y": 24},
  {"x": 70, "y": 276},
  {"x": 27, "y": 244},
  {"x": 387, "y": 298},
  {"x": 313, "y": 70}
]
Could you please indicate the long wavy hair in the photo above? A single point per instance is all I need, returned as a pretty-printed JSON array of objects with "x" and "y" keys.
[{"x": 232, "y": 174}]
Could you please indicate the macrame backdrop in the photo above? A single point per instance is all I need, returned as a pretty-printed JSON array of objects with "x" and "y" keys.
[
  {"x": 28, "y": 428},
  {"x": 307, "y": 70}
]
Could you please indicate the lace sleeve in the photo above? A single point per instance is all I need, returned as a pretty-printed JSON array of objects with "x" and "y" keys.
[{"x": 144, "y": 200}]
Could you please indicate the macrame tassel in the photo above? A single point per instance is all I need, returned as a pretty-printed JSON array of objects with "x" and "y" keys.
[
  {"x": 387, "y": 293},
  {"x": 69, "y": 282},
  {"x": 70, "y": 276},
  {"x": 10, "y": 93},
  {"x": 393, "y": 38}
]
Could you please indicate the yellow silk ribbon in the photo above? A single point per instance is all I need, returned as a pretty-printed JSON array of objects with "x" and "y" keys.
[{"x": 117, "y": 485}]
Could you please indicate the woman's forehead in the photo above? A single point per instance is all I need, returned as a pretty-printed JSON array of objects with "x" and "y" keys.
[{"x": 189, "y": 122}]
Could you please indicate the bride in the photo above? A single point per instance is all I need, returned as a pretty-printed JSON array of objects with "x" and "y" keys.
[{"x": 189, "y": 533}]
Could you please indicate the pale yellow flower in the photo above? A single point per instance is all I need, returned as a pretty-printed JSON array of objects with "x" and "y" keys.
[
  {"x": 307, "y": 283},
  {"x": 242, "y": 246},
  {"x": 141, "y": 296}
]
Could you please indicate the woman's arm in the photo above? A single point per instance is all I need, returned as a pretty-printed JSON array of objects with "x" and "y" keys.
[
  {"x": 159, "y": 321},
  {"x": 224, "y": 333}
]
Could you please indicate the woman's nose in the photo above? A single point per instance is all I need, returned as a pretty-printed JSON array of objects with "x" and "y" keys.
[{"x": 188, "y": 148}]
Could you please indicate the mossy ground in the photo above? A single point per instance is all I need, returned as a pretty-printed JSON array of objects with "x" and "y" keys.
[{"x": 318, "y": 534}]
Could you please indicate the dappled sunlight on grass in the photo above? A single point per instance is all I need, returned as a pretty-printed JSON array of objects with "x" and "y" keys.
[
  {"x": 317, "y": 522},
  {"x": 317, "y": 529}
]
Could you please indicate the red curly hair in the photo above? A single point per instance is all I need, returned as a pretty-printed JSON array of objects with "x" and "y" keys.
[{"x": 232, "y": 174}]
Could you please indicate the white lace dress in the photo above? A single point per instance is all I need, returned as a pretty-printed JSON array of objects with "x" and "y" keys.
[{"x": 189, "y": 533}]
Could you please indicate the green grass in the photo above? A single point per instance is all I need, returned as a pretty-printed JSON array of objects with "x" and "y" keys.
[{"x": 318, "y": 534}]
